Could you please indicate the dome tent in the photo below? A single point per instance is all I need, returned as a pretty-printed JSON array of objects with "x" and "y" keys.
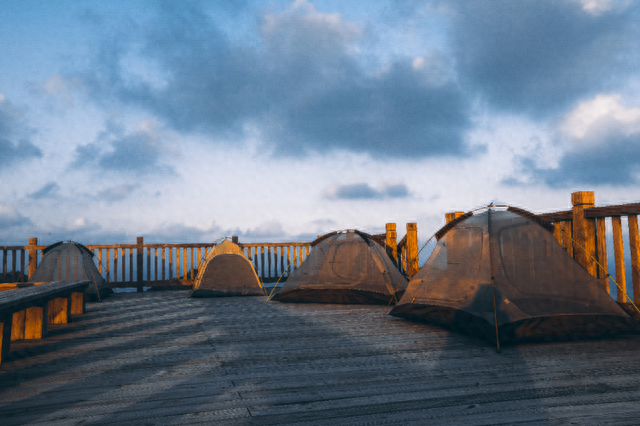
[
  {"x": 226, "y": 272},
  {"x": 71, "y": 261},
  {"x": 344, "y": 267},
  {"x": 537, "y": 291}
]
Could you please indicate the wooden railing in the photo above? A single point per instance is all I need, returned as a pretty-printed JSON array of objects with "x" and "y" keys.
[
  {"x": 149, "y": 265},
  {"x": 584, "y": 230}
]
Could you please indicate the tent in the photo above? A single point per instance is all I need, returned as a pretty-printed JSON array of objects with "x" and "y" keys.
[
  {"x": 538, "y": 291},
  {"x": 344, "y": 267},
  {"x": 226, "y": 272},
  {"x": 71, "y": 261}
]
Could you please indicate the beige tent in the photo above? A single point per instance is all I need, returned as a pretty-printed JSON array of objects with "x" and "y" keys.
[
  {"x": 227, "y": 272},
  {"x": 71, "y": 261},
  {"x": 537, "y": 291},
  {"x": 344, "y": 267}
]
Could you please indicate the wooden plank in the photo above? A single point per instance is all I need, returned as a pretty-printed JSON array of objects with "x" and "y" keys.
[
  {"x": 601, "y": 247},
  {"x": 584, "y": 231},
  {"x": 17, "y": 328},
  {"x": 184, "y": 263},
  {"x": 282, "y": 270},
  {"x": 262, "y": 262},
  {"x": 155, "y": 262},
  {"x": 108, "y": 266},
  {"x": 163, "y": 265},
  {"x": 617, "y": 210},
  {"x": 192, "y": 264},
  {"x": 634, "y": 247},
  {"x": 99, "y": 261},
  {"x": 562, "y": 216},
  {"x": 177, "y": 262},
  {"x": 619, "y": 259},
  {"x": 13, "y": 266},
  {"x": 269, "y": 262},
  {"x": 36, "y": 322}
]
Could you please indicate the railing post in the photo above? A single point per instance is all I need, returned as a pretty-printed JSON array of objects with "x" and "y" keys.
[
  {"x": 33, "y": 257},
  {"x": 452, "y": 216},
  {"x": 139, "y": 262},
  {"x": 391, "y": 242},
  {"x": 412, "y": 249},
  {"x": 584, "y": 231}
]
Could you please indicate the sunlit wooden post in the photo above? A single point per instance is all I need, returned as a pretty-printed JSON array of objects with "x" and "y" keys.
[
  {"x": 452, "y": 216},
  {"x": 584, "y": 231},
  {"x": 412, "y": 249},
  {"x": 391, "y": 241},
  {"x": 634, "y": 246},
  {"x": 139, "y": 262},
  {"x": 33, "y": 256}
]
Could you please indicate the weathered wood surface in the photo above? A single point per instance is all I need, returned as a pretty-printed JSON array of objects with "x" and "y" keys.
[{"x": 159, "y": 358}]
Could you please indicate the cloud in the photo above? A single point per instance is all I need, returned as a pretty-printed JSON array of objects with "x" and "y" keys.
[
  {"x": 15, "y": 145},
  {"x": 10, "y": 218},
  {"x": 60, "y": 88},
  {"x": 49, "y": 190},
  {"x": 539, "y": 56},
  {"x": 138, "y": 152},
  {"x": 363, "y": 191},
  {"x": 602, "y": 139},
  {"x": 303, "y": 85},
  {"x": 117, "y": 193}
]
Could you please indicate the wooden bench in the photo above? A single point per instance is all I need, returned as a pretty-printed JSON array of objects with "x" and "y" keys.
[{"x": 26, "y": 310}]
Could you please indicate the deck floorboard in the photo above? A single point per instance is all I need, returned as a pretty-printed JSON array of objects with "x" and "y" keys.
[{"x": 161, "y": 358}]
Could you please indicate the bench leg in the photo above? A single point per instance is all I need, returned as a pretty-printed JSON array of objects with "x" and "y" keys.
[
  {"x": 5, "y": 337},
  {"x": 35, "y": 326},
  {"x": 59, "y": 310},
  {"x": 77, "y": 303},
  {"x": 17, "y": 328}
]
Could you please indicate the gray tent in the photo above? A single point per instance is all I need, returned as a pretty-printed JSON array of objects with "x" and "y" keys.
[
  {"x": 344, "y": 267},
  {"x": 226, "y": 272},
  {"x": 538, "y": 290},
  {"x": 71, "y": 261}
]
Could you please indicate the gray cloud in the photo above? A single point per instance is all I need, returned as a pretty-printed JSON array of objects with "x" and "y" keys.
[
  {"x": 49, "y": 190},
  {"x": 15, "y": 145},
  {"x": 363, "y": 191},
  {"x": 301, "y": 85},
  {"x": 114, "y": 150},
  {"x": 615, "y": 161},
  {"x": 540, "y": 56},
  {"x": 117, "y": 193}
]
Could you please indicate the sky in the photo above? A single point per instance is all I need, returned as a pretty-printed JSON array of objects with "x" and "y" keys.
[{"x": 186, "y": 121}]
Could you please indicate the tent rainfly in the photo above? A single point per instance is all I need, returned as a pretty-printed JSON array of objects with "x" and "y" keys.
[
  {"x": 71, "y": 261},
  {"x": 502, "y": 275},
  {"x": 226, "y": 272},
  {"x": 344, "y": 267}
]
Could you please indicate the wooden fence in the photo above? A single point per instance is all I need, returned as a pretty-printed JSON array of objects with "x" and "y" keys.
[
  {"x": 584, "y": 231},
  {"x": 151, "y": 265}
]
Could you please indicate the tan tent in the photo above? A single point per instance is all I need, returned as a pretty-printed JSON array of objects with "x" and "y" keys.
[
  {"x": 344, "y": 267},
  {"x": 71, "y": 261},
  {"x": 226, "y": 272},
  {"x": 538, "y": 290}
]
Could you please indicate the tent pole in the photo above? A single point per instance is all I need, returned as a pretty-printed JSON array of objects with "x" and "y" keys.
[{"x": 493, "y": 282}]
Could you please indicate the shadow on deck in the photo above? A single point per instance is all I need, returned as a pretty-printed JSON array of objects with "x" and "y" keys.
[{"x": 159, "y": 358}]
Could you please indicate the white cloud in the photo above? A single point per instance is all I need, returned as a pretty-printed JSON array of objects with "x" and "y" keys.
[
  {"x": 597, "y": 117},
  {"x": 597, "y": 7},
  {"x": 327, "y": 29}
]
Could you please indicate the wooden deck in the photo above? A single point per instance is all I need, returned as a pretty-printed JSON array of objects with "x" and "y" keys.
[{"x": 160, "y": 358}]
